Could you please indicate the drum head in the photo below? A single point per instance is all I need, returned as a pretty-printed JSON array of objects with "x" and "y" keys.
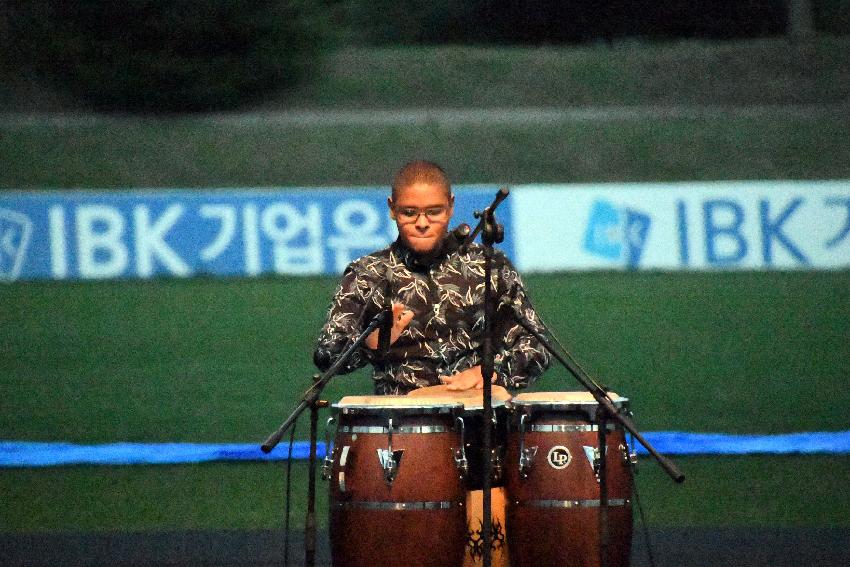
[
  {"x": 395, "y": 405},
  {"x": 470, "y": 399},
  {"x": 563, "y": 401}
]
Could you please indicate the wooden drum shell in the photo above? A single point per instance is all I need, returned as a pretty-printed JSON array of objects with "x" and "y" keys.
[
  {"x": 553, "y": 513},
  {"x": 417, "y": 519}
]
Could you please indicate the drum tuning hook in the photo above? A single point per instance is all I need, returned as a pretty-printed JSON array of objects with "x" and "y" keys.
[
  {"x": 594, "y": 458},
  {"x": 460, "y": 454},
  {"x": 389, "y": 463},
  {"x": 390, "y": 460},
  {"x": 629, "y": 457},
  {"x": 496, "y": 459},
  {"x": 526, "y": 454},
  {"x": 526, "y": 460},
  {"x": 328, "y": 462}
]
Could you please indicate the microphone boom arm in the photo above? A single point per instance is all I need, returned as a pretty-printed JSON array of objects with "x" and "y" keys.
[
  {"x": 600, "y": 395},
  {"x": 313, "y": 392}
]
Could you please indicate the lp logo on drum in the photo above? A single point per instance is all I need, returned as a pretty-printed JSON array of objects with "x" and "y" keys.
[{"x": 559, "y": 457}]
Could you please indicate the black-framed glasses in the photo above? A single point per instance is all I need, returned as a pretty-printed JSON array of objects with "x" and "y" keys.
[{"x": 407, "y": 215}]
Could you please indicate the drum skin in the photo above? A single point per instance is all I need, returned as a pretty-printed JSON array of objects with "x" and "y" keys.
[
  {"x": 541, "y": 532},
  {"x": 376, "y": 523},
  {"x": 365, "y": 528}
]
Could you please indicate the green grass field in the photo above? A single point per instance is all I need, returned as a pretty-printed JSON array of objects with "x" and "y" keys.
[
  {"x": 765, "y": 71},
  {"x": 223, "y": 360},
  {"x": 202, "y": 151},
  {"x": 631, "y": 72},
  {"x": 213, "y": 360},
  {"x": 788, "y": 491}
]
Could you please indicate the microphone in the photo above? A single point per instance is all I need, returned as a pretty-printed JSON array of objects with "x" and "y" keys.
[
  {"x": 461, "y": 232},
  {"x": 385, "y": 332},
  {"x": 457, "y": 236}
]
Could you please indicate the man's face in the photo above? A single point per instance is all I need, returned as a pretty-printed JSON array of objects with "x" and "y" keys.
[{"x": 422, "y": 212}]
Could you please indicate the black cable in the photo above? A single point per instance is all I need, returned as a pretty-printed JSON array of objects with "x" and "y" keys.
[
  {"x": 643, "y": 522},
  {"x": 564, "y": 350},
  {"x": 287, "y": 506},
  {"x": 646, "y": 538},
  {"x": 569, "y": 356}
]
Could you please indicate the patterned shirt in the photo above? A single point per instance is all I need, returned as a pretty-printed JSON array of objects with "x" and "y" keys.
[{"x": 446, "y": 294}]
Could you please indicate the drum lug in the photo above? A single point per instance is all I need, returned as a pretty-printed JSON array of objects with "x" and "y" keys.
[
  {"x": 495, "y": 455},
  {"x": 460, "y": 454},
  {"x": 526, "y": 454},
  {"x": 496, "y": 459},
  {"x": 526, "y": 460},
  {"x": 629, "y": 458},
  {"x": 390, "y": 460},
  {"x": 328, "y": 462},
  {"x": 593, "y": 457},
  {"x": 461, "y": 463}
]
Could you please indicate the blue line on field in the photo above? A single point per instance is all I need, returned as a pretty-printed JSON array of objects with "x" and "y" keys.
[{"x": 46, "y": 454}]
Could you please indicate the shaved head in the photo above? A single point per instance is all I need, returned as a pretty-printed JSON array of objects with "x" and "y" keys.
[{"x": 420, "y": 171}]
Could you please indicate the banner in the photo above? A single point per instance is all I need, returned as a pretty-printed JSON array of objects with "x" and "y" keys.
[
  {"x": 747, "y": 225},
  {"x": 168, "y": 233}
]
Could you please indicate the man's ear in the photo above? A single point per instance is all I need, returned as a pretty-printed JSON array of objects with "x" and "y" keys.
[{"x": 390, "y": 205}]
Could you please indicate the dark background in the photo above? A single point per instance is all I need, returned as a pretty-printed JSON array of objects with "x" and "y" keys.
[{"x": 165, "y": 56}]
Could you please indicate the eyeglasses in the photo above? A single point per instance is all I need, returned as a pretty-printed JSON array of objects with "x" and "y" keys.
[{"x": 407, "y": 215}]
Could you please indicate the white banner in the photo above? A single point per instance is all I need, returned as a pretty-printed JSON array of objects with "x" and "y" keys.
[{"x": 702, "y": 226}]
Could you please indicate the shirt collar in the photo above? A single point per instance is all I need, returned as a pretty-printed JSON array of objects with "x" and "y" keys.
[{"x": 416, "y": 262}]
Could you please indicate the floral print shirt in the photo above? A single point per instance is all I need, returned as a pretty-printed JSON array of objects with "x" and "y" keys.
[{"x": 446, "y": 294}]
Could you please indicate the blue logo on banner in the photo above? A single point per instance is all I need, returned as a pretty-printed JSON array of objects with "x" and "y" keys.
[
  {"x": 15, "y": 230},
  {"x": 618, "y": 234}
]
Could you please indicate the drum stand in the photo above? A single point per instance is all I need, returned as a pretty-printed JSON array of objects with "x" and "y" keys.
[
  {"x": 310, "y": 399},
  {"x": 491, "y": 233},
  {"x": 606, "y": 411}
]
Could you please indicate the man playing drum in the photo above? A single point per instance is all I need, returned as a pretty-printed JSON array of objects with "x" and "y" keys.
[{"x": 437, "y": 297}]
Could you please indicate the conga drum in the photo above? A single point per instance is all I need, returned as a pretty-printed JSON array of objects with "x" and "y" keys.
[
  {"x": 474, "y": 422},
  {"x": 396, "y": 495},
  {"x": 553, "y": 487}
]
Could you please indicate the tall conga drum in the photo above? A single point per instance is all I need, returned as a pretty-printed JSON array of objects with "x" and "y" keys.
[
  {"x": 474, "y": 422},
  {"x": 553, "y": 485},
  {"x": 396, "y": 495}
]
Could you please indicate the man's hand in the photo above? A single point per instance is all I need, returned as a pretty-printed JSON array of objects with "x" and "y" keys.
[
  {"x": 465, "y": 380},
  {"x": 402, "y": 316}
]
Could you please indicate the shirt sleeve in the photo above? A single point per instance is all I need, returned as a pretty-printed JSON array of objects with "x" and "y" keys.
[
  {"x": 344, "y": 324},
  {"x": 520, "y": 358}
]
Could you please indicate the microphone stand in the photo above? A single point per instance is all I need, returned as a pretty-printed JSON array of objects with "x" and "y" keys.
[
  {"x": 491, "y": 233},
  {"x": 607, "y": 411},
  {"x": 310, "y": 399}
]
